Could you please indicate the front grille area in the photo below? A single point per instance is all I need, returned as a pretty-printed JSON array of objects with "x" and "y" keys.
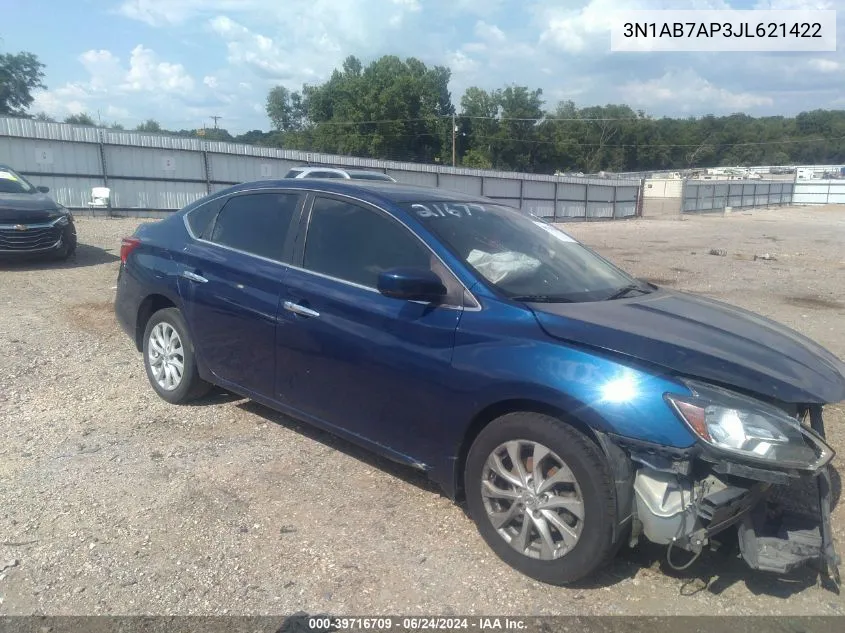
[{"x": 31, "y": 239}]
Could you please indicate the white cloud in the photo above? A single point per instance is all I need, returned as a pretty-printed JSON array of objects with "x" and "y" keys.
[
  {"x": 824, "y": 65},
  {"x": 146, "y": 78},
  {"x": 794, "y": 5},
  {"x": 103, "y": 67},
  {"x": 489, "y": 32},
  {"x": 252, "y": 49},
  {"x": 148, "y": 74},
  {"x": 460, "y": 62},
  {"x": 689, "y": 91},
  {"x": 210, "y": 81}
]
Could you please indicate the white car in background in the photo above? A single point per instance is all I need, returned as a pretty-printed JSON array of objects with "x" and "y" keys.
[{"x": 334, "y": 172}]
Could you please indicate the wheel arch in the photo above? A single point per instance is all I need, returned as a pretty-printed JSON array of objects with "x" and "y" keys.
[
  {"x": 151, "y": 304},
  {"x": 514, "y": 405}
]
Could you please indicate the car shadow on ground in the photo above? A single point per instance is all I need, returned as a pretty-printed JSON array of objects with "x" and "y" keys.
[
  {"x": 714, "y": 572},
  {"x": 401, "y": 471},
  {"x": 86, "y": 255}
]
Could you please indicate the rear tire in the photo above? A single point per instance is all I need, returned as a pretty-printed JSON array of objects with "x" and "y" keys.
[
  {"x": 169, "y": 358},
  {"x": 571, "y": 478}
]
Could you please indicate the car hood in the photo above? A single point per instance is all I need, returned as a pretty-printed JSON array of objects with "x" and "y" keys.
[
  {"x": 701, "y": 338},
  {"x": 26, "y": 208}
]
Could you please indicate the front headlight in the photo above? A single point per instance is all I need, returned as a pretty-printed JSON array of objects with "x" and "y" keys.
[
  {"x": 61, "y": 216},
  {"x": 755, "y": 431}
]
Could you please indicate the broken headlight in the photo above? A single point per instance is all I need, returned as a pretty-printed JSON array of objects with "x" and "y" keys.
[{"x": 742, "y": 427}]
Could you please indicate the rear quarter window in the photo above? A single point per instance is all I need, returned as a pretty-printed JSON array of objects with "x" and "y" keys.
[{"x": 199, "y": 220}]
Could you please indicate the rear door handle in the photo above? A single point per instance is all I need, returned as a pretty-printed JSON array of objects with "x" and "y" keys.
[
  {"x": 187, "y": 274},
  {"x": 290, "y": 306}
]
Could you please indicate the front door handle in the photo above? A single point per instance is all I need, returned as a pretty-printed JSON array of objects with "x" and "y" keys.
[
  {"x": 290, "y": 306},
  {"x": 187, "y": 274}
]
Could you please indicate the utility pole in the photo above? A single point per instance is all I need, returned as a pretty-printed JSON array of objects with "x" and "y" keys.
[
  {"x": 216, "y": 118},
  {"x": 454, "y": 130}
]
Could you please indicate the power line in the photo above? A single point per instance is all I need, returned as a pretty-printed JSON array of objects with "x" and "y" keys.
[{"x": 660, "y": 145}]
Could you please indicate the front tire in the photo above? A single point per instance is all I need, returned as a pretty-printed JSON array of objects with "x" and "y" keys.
[
  {"x": 69, "y": 241},
  {"x": 169, "y": 358},
  {"x": 542, "y": 497}
]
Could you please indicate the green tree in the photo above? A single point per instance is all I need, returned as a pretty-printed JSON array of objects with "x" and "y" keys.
[
  {"x": 476, "y": 159},
  {"x": 83, "y": 118},
  {"x": 43, "y": 116},
  {"x": 151, "y": 126},
  {"x": 479, "y": 124},
  {"x": 392, "y": 108},
  {"x": 286, "y": 109},
  {"x": 20, "y": 74}
]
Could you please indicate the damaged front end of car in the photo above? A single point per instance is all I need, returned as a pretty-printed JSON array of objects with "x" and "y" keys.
[{"x": 759, "y": 468}]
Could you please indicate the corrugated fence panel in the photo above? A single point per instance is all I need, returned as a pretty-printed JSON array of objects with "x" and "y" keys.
[
  {"x": 599, "y": 210},
  {"x": 538, "y": 190},
  {"x": 30, "y": 156},
  {"x": 158, "y": 172},
  {"x": 816, "y": 192},
  {"x": 542, "y": 208},
  {"x": 139, "y": 139},
  {"x": 29, "y": 128},
  {"x": 627, "y": 194},
  {"x": 152, "y": 194},
  {"x": 498, "y": 188},
  {"x": 464, "y": 184},
  {"x": 71, "y": 191},
  {"x": 154, "y": 163},
  {"x": 577, "y": 193},
  {"x": 571, "y": 209},
  {"x": 625, "y": 209},
  {"x": 599, "y": 194},
  {"x": 236, "y": 169}
]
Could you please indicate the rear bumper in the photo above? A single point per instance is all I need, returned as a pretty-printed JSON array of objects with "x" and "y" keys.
[{"x": 126, "y": 304}]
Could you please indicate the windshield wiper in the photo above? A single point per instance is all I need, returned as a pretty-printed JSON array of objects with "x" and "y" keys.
[
  {"x": 625, "y": 290},
  {"x": 542, "y": 299}
]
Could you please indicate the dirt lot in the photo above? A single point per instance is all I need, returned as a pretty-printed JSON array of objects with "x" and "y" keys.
[{"x": 112, "y": 501}]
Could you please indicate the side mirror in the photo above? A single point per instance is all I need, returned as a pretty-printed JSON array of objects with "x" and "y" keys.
[
  {"x": 411, "y": 284},
  {"x": 43, "y": 189}
]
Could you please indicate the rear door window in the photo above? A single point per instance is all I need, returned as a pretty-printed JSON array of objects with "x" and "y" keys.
[{"x": 256, "y": 223}]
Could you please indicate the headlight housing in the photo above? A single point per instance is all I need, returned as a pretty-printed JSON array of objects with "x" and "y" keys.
[
  {"x": 61, "y": 216},
  {"x": 753, "y": 431}
]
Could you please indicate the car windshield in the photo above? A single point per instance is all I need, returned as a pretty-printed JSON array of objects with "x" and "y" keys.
[
  {"x": 11, "y": 182},
  {"x": 522, "y": 256}
]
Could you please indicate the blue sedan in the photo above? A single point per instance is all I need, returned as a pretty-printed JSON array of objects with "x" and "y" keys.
[{"x": 573, "y": 407}]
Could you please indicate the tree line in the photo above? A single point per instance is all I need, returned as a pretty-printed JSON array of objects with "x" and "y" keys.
[{"x": 402, "y": 109}]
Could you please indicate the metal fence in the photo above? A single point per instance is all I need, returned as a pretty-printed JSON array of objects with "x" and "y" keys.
[
  {"x": 819, "y": 192},
  {"x": 154, "y": 173},
  {"x": 712, "y": 195}
]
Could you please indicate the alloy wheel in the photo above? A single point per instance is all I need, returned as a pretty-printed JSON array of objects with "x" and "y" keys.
[
  {"x": 533, "y": 500},
  {"x": 166, "y": 356}
]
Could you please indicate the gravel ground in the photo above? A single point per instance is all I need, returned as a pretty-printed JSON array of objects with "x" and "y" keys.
[{"x": 112, "y": 501}]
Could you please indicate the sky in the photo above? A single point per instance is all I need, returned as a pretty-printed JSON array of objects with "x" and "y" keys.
[{"x": 183, "y": 61}]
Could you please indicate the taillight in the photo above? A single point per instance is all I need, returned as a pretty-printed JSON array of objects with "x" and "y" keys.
[{"x": 127, "y": 245}]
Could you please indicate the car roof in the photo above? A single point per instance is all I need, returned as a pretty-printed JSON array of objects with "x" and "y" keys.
[{"x": 376, "y": 189}]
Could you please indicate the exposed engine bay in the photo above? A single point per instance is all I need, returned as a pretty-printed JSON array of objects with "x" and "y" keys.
[{"x": 685, "y": 500}]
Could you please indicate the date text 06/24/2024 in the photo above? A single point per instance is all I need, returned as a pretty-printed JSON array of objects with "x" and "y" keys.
[
  {"x": 724, "y": 31},
  {"x": 416, "y": 623}
]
